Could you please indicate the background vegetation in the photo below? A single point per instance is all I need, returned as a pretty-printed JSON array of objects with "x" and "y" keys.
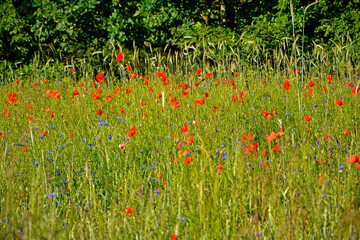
[{"x": 64, "y": 29}]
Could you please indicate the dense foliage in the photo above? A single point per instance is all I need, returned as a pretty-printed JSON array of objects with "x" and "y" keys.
[{"x": 74, "y": 28}]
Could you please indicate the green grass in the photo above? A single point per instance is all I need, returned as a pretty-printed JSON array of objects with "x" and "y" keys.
[{"x": 71, "y": 187}]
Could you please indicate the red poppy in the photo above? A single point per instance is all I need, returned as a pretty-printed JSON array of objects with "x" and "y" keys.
[
  {"x": 287, "y": 84},
  {"x": 205, "y": 95},
  {"x": 355, "y": 90},
  {"x": 185, "y": 94},
  {"x": 51, "y": 114},
  {"x": 276, "y": 148},
  {"x": 297, "y": 71},
  {"x": 219, "y": 167},
  {"x": 120, "y": 56},
  {"x": 236, "y": 74},
  {"x": 24, "y": 149},
  {"x": 188, "y": 160},
  {"x": 133, "y": 76},
  {"x": 43, "y": 133},
  {"x": 201, "y": 102},
  {"x": 354, "y": 159},
  {"x": 30, "y": 117},
  {"x": 2, "y": 133},
  {"x": 197, "y": 84},
  {"x": 198, "y": 72},
  {"x": 76, "y": 92},
  {"x": 160, "y": 74},
  {"x": 173, "y": 237},
  {"x": 184, "y": 130},
  {"x": 307, "y": 118},
  {"x": 17, "y": 81},
  {"x": 190, "y": 140},
  {"x": 128, "y": 68},
  {"x": 99, "y": 112},
  {"x": 143, "y": 103},
  {"x": 146, "y": 82},
  {"x": 208, "y": 75},
  {"x": 44, "y": 82},
  {"x": 128, "y": 211},
  {"x": 100, "y": 77},
  {"x": 346, "y": 132},
  {"x": 310, "y": 84},
  {"x": 128, "y": 91},
  {"x": 250, "y": 148},
  {"x": 339, "y": 102},
  {"x": 73, "y": 70},
  {"x": 173, "y": 99},
  {"x": 132, "y": 131},
  {"x": 329, "y": 78}
]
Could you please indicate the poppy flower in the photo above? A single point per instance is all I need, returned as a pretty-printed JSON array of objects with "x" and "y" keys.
[
  {"x": 250, "y": 148},
  {"x": 201, "y": 102},
  {"x": 346, "y": 132},
  {"x": 73, "y": 70},
  {"x": 310, "y": 84},
  {"x": 354, "y": 159},
  {"x": 173, "y": 237},
  {"x": 198, "y": 72},
  {"x": 205, "y": 95},
  {"x": 236, "y": 74},
  {"x": 190, "y": 140},
  {"x": 197, "y": 84},
  {"x": 355, "y": 90},
  {"x": 51, "y": 114},
  {"x": 276, "y": 148},
  {"x": 44, "y": 82},
  {"x": 297, "y": 71},
  {"x": 30, "y": 117},
  {"x": 184, "y": 130},
  {"x": 231, "y": 82},
  {"x": 339, "y": 102},
  {"x": 17, "y": 81},
  {"x": 287, "y": 84},
  {"x": 128, "y": 68},
  {"x": 24, "y": 149},
  {"x": 76, "y": 92},
  {"x": 329, "y": 78},
  {"x": 208, "y": 75},
  {"x": 132, "y": 131},
  {"x": 99, "y": 112},
  {"x": 194, "y": 123},
  {"x": 127, "y": 91},
  {"x": 122, "y": 146},
  {"x": 2, "y": 133},
  {"x": 146, "y": 82},
  {"x": 120, "y": 56},
  {"x": 100, "y": 77},
  {"x": 188, "y": 160},
  {"x": 128, "y": 211},
  {"x": 307, "y": 118},
  {"x": 185, "y": 94},
  {"x": 219, "y": 167},
  {"x": 133, "y": 76}
]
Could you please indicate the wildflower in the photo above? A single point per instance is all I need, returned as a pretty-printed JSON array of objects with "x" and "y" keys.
[
  {"x": 120, "y": 56},
  {"x": 287, "y": 84},
  {"x": 339, "y": 102},
  {"x": 307, "y": 118}
]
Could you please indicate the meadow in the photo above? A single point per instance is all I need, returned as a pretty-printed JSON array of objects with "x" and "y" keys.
[{"x": 176, "y": 146}]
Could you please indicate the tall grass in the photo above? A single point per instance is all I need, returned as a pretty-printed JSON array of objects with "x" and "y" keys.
[{"x": 79, "y": 186}]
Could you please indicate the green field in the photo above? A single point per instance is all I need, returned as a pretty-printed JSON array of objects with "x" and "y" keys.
[{"x": 180, "y": 148}]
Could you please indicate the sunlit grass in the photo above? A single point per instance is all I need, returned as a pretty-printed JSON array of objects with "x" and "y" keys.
[{"x": 77, "y": 182}]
